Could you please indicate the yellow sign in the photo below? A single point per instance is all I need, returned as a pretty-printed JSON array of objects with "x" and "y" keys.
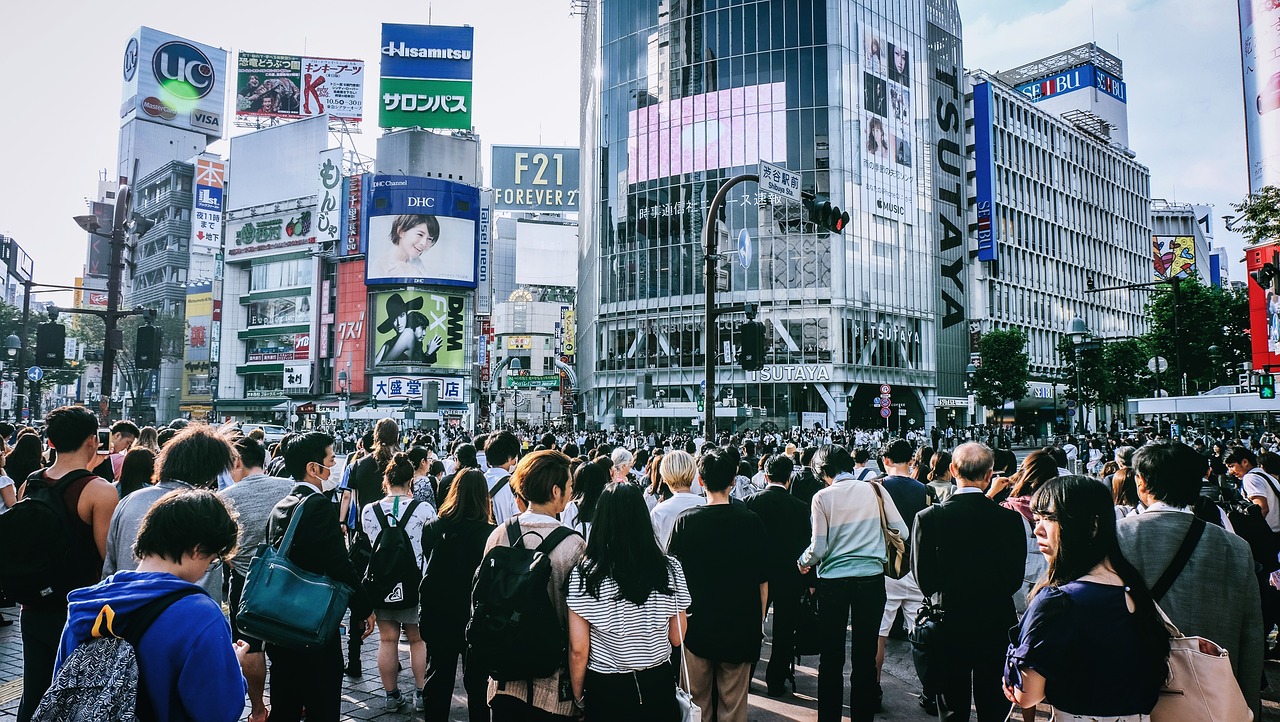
[
  {"x": 570, "y": 345},
  {"x": 519, "y": 343}
]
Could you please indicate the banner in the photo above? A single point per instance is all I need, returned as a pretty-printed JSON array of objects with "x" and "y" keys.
[
  {"x": 551, "y": 381},
  {"x": 420, "y": 328},
  {"x": 206, "y": 211},
  {"x": 196, "y": 362},
  {"x": 292, "y": 86},
  {"x": 269, "y": 233},
  {"x": 426, "y": 76},
  {"x": 985, "y": 171},
  {"x": 329, "y": 199},
  {"x": 535, "y": 178},
  {"x": 887, "y": 139},
  {"x": 350, "y": 327},
  {"x": 174, "y": 81},
  {"x": 1173, "y": 256},
  {"x": 421, "y": 231},
  {"x": 410, "y": 388}
]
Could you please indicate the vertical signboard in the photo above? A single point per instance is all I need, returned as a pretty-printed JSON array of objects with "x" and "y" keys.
[
  {"x": 948, "y": 226},
  {"x": 195, "y": 368},
  {"x": 985, "y": 172},
  {"x": 174, "y": 81},
  {"x": 350, "y": 327},
  {"x": 483, "y": 290},
  {"x": 1260, "y": 43},
  {"x": 426, "y": 76},
  {"x": 888, "y": 127},
  {"x": 329, "y": 200},
  {"x": 206, "y": 210},
  {"x": 355, "y": 194}
]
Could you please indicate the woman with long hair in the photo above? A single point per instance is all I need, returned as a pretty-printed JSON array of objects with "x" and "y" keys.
[
  {"x": 399, "y": 509},
  {"x": 24, "y": 458},
  {"x": 921, "y": 463},
  {"x": 940, "y": 483},
  {"x": 1124, "y": 492},
  {"x": 657, "y": 490},
  {"x": 454, "y": 547},
  {"x": 149, "y": 439},
  {"x": 588, "y": 482},
  {"x": 1015, "y": 492},
  {"x": 1092, "y": 642},
  {"x": 626, "y": 611},
  {"x": 136, "y": 471}
]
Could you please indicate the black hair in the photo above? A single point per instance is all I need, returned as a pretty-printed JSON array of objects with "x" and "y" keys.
[
  {"x": 305, "y": 449},
  {"x": 466, "y": 455},
  {"x": 127, "y": 428},
  {"x": 417, "y": 454},
  {"x": 897, "y": 451},
  {"x": 184, "y": 521},
  {"x": 501, "y": 448},
  {"x": 1172, "y": 471},
  {"x": 399, "y": 472},
  {"x": 1237, "y": 455},
  {"x": 861, "y": 455},
  {"x": 832, "y": 460},
  {"x": 252, "y": 454},
  {"x": 68, "y": 426},
  {"x": 622, "y": 547},
  {"x": 197, "y": 455},
  {"x": 588, "y": 482},
  {"x": 717, "y": 470},
  {"x": 778, "y": 469}
]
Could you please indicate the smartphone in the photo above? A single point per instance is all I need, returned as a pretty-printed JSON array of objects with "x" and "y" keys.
[{"x": 104, "y": 441}]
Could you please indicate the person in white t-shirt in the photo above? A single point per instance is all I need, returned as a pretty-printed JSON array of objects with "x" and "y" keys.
[
  {"x": 677, "y": 470},
  {"x": 1259, "y": 487},
  {"x": 502, "y": 450}
]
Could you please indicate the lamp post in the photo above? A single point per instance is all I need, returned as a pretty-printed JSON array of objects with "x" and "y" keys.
[
  {"x": 969, "y": 372},
  {"x": 1079, "y": 334},
  {"x": 12, "y": 345}
]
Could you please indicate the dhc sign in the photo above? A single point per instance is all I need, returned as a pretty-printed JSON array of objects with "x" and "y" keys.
[{"x": 1087, "y": 76}]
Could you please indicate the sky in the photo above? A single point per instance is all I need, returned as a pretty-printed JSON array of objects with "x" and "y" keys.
[{"x": 59, "y": 122}]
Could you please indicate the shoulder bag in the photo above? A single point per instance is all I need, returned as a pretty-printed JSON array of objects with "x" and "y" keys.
[
  {"x": 1201, "y": 686},
  {"x": 897, "y": 562},
  {"x": 286, "y": 605},
  {"x": 689, "y": 711}
]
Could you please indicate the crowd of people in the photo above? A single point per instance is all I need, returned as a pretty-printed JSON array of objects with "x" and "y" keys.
[{"x": 647, "y": 567}]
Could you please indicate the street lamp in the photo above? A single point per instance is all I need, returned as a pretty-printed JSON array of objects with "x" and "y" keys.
[
  {"x": 1215, "y": 356},
  {"x": 1078, "y": 332},
  {"x": 969, "y": 372},
  {"x": 345, "y": 382}
]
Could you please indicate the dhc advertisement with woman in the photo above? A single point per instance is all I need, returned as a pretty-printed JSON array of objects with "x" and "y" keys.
[{"x": 421, "y": 231}]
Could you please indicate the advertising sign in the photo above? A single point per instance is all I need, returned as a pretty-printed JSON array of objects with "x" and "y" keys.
[
  {"x": 1264, "y": 310},
  {"x": 297, "y": 377},
  {"x": 174, "y": 81},
  {"x": 1260, "y": 39},
  {"x": 551, "y": 381},
  {"x": 292, "y": 86},
  {"x": 484, "y": 290},
  {"x": 270, "y": 233},
  {"x": 329, "y": 198},
  {"x": 421, "y": 231},
  {"x": 535, "y": 178},
  {"x": 420, "y": 328},
  {"x": 519, "y": 343},
  {"x": 1173, "y": 256},
  {"x": 206, "y": 210},
  {"x": 356, "y": 194},
  {"x": 350, "y": 327},
  {"x": 887, "y": 139},
  {"x": 426, "y": 76},
  {"x": 410, "y": 388},
  {"x": 1087, "y": 76},
  {"x": 984, "y": 153},
  {"x": 570, "y": 344},
  {"x": 195, "y": 368}
]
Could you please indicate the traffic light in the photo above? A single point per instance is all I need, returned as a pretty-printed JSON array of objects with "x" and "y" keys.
[
  {"x": 147, "y": 348},
  {"x": 826, "y": 217},
  {"x": 51, "y": 344},
  {"x": 701, "y": 404},
  {"x": 752, "y": 356},
  {"x": 1266, "y": 386}
]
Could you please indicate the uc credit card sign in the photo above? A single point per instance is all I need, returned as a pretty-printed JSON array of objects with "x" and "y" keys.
[{"x": 174, "y": 81}]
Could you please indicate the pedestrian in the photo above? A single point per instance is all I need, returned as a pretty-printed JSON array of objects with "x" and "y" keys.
[
  {"x": 627, "y": 602},
  {"x": 453, "y": 544},
  {"x": 136, "y": 472},
  {"x": 187, "y": 663},
  {"x": 502, "y": 452},
  {"x": 399, "y": 509},
  {"x": 729, "y": 590},
  {"x": 1092, "y": 643},
  {"x": 312, "y": 679},
  {"x": 252, "y": 496},
  {"x": 1262, "y": 489},
  {"x": 589, "y": 482},
  {"x": 971, "y": 551},
  {"x": 677, "y": 471},
  {"x": 941, "y": 485},
  {"x": 426, "y": 472}
]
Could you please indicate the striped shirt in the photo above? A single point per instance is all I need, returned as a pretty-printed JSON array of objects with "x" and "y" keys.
[
  {"x": 626, "y": 637},
  {"x": 847, "y": 539}
]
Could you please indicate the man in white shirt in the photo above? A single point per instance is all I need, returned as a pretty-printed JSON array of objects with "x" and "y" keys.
[
  {"x": 1259, "y": 486},
  {"x": 502, "y": 450},
  {"x": 677, "y": 469}
]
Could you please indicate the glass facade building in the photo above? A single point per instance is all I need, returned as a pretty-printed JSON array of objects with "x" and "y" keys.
[{"x": 865, "y": 101}]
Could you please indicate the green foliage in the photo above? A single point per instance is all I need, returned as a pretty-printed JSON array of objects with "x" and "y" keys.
[
  {"x": 1004, "y": 371},
  {"x": 1259, "y": 218},
  {"x": 1207, "y": 316}
]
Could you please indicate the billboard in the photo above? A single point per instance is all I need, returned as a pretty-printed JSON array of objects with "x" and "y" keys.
[
  {"x": 293, "y": 86},
  {"x": 1173, "y": 256},
  {"x": 420, "y": 328},
  {"x": 410, "y": 388},
  {"x": 985, "y": 167},
  {"x": 174, "y": 81},
  {"x": 421, "y": 231},
  {"x": 1081, "y": 78},
  {"x": 426, "y": 76},
  {"x": 721, "y": 129},
  {"x": 195, "y": 368},
  {"x": 1264, "y": 310},
  {"x": 535, "y": 178},
  {"x": 269, "y": 233},
  {"x": 329, "y": 198},
  {"x": 1260, "y": 41},
  {"x": 350, "y": 327},
  {"x": 887, "y": 134},
  {"x": 206, "y": 204},
  {"x": 546, "y": 254},
  {"x": 484, "y": 289}
]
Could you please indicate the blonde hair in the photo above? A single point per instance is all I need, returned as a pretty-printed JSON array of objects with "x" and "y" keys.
[{"x": 677, "y": 469}]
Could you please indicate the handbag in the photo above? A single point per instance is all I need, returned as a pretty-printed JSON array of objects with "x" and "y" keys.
[
  {"x": 927, "y": 639},
  {"x": 808, "y": 636},
  {"x": 1201, "y": 686},
  {"x": 689, "y": 712},
  {"x": 897, "y": 563},
  {"x": 285, "y": 605}
]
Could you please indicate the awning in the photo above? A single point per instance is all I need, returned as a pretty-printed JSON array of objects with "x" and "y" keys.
[{"x": 337, "y": 404}]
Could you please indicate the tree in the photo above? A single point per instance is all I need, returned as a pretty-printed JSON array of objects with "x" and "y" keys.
[
  {"x": 1259, "y": 218},
  {"x": 1126, "y": 364},
  {"x": 11, "y": 323},
  {"x": 1005, "y": 369},
  {"x": 1207, "y": 316},
  {"x": 90, "y": 330}
]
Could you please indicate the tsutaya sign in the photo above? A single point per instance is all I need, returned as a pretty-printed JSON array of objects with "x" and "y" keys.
[
  {"x": 885, "y": 331},
  {"x": 791, "y": 372}
]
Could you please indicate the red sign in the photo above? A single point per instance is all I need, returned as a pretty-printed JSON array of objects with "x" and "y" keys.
[
  {"x": 1264, "y": 310},
  {"x": 350, "y": 327}
]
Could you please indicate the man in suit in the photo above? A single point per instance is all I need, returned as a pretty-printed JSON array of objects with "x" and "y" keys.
[
  {"x": 1215, "y": 595},
  {"x": 971, "y": 551},
  {"x": 786, "y": 522},
  {"x": 312, "y": 679}
]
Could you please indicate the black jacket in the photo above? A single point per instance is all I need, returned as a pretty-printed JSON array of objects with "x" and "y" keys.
[
  {"x": 453, "y": 549},
  {"x": 317, "y": 544},
  {"x": 973, "y": 551},
  {"x": 786, "y": 521}
]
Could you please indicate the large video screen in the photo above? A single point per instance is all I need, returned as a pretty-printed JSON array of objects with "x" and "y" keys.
[{"x": 421, "y": 231}]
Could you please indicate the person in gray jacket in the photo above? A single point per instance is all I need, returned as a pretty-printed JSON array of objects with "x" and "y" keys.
[{"x": 1215, "y": 595}]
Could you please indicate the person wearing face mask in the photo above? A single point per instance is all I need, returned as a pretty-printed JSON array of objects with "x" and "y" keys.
[{"x": 195, "y": 458}]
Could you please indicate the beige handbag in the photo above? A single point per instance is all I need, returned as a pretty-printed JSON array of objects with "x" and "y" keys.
[
  {"x": 1201, "y": 687},
  {"x": 897, "y": 562}
]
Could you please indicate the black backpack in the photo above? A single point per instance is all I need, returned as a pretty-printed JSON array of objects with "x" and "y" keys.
[
  {"x": 393, "y": 575},
  {"x": 100, "y": 680},
  {"x": 40, "y": 556},
  {"x": 514, "y": 632},
  {"x": 1250, "y": 524}
]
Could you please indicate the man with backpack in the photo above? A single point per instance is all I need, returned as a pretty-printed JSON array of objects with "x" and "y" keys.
[
  {"x": 1263, "y": 490},
  {"x": 152, "y": 636},
  {"x": 519, "y": 628},
  {"x": 54, "y": 539},
  {"x": 502, "y": 450}
]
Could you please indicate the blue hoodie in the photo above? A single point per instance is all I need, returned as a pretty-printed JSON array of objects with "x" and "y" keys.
[{"x": 186, "y": 659}]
